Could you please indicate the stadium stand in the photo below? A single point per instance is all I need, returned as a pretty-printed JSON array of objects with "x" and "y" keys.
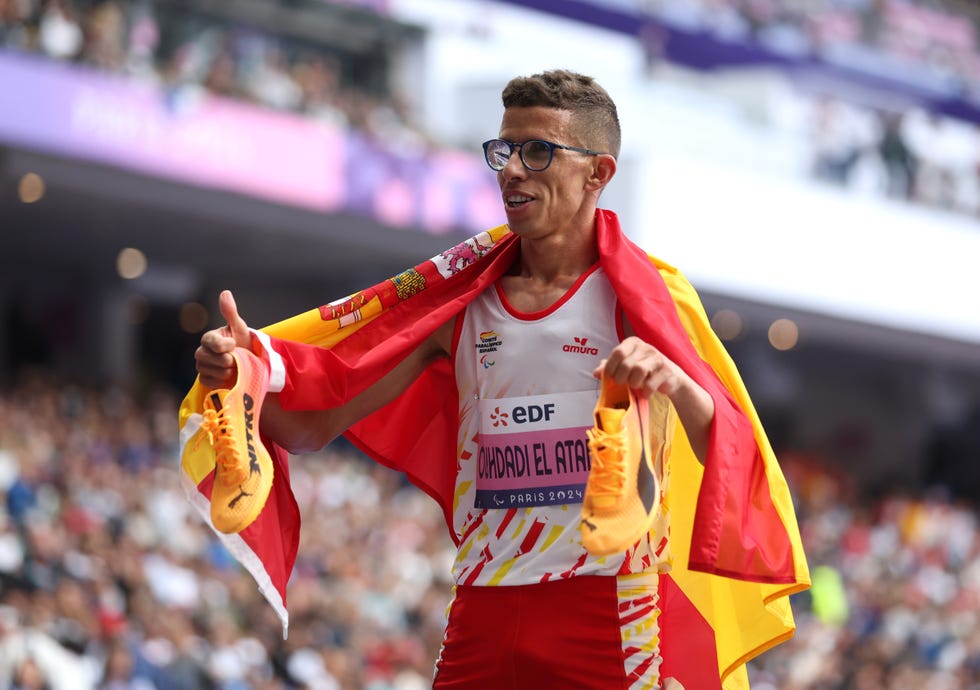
[
  {"x": 109, "y": 581},
  {"x": 329, "y": 64},
  {"x": 107, "y": 578},
  {"x": 276, "y": 58}
]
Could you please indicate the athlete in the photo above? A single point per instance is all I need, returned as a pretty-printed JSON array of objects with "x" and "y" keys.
[{"x": 531, "y": 607}]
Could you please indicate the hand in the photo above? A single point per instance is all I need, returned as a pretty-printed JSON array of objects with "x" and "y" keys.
[
  {"x": 643, "y": 367},
  {"x": 215, "y": 365},
  {"x": 647, "y": 371}
]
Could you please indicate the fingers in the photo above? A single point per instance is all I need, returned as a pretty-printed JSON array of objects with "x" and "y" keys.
[
  {"x": 215, "y": 370},
  {"x": 640, "y": 366},
  {"x": 237, "y": 328},
  {"x": 215, "y": 364}
]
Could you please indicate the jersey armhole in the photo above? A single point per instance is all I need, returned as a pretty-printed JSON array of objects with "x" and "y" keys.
[
  {"x": 620, "y": 321},
  {"x": 457, "y": 332}
]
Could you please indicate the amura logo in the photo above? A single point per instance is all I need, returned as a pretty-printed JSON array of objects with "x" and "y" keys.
[{"x": 581, "y": 346}]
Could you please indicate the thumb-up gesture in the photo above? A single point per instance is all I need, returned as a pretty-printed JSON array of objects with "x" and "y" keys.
[{"x": 215, "y": 365}]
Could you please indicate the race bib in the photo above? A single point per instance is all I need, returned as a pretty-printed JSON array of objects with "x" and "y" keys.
[{"x": 533, "y": 450}]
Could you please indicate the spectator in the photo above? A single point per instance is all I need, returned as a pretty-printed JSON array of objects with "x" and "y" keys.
[
  {"x": 120, "y": 672},
  {"x": 60, "y": 34},
  {"x": 896, "y": 155},
  {"x": 839, "y": 139},
  {"x": 33, "y": 660},
  {"x": 105, "y": 41}
]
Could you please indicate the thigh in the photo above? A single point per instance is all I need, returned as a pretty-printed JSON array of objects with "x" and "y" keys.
[{"x": 476, "y": 649}]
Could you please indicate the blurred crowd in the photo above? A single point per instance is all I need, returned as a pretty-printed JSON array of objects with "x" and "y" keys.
[
  {"x": 913, "y": 156},
  {"x": 926, "y": 38},
  {"x": 187, "y": 51},
  {"x": 111, "y": 581},
  {"x": 910, "y": 155},
  {"x": 895, "y": 602}
]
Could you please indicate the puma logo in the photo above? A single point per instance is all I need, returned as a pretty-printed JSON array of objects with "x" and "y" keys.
[{"x": 240, "y": 496}]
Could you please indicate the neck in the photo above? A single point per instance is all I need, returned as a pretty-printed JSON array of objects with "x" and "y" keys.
[{"x": 559, "y": 257}]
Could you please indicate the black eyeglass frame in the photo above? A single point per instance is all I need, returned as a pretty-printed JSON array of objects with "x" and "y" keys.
[{"x": 550, "y": 145}]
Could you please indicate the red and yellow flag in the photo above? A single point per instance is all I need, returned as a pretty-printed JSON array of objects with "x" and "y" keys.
[{"x": 736, "y": 544}]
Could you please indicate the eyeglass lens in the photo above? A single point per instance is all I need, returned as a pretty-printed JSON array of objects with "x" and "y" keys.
[{"x": 536, "y": 155}]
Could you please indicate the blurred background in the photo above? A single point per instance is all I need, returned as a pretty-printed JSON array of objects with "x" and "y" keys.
[{"x": 812, "y": 166}]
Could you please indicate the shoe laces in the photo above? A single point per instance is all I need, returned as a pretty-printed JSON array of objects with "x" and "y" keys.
[
  {"x": 608, "y": 474},
  {"x": 220, "y": 433}
]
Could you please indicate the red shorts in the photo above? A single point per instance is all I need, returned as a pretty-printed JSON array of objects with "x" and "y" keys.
[{"x": 564, "y": 634}]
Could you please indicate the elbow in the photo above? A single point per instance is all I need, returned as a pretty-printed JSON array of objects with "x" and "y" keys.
[
  {"x": 306, "y": 445},
  {"x": 305, "y": 441},
  {"x": 297, "y": 432}
]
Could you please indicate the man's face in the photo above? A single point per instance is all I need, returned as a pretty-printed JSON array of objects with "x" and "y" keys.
[{"x": 540, "y": 203}]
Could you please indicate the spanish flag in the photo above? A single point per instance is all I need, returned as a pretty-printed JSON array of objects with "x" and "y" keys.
[{"x": 737, "y": 552}]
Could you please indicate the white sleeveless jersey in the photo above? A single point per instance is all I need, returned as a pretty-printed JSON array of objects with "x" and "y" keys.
[{"x": 526, "y": 398}]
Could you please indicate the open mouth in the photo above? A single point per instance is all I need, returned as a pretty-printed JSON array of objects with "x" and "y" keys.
[{"x": 517, "y": 200}]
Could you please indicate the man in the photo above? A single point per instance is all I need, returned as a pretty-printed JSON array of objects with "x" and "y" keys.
[{"x": 563, "y": 301}]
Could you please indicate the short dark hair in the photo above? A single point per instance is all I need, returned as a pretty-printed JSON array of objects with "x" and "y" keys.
[{"x": 595, "y": 117}]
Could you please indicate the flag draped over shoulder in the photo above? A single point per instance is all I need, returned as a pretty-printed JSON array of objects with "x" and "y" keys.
[{"x": 735, "y": 540}]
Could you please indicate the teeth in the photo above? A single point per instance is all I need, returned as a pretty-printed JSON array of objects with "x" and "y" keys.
[{"x": 516, "y": 199}]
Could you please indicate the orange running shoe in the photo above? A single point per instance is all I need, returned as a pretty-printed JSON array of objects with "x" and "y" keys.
[
  {"x": 622, "y": 495},
  {"x": 243, "y": 468}
]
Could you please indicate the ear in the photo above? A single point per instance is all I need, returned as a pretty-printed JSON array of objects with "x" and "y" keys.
[{"x": 603, "y": 169}]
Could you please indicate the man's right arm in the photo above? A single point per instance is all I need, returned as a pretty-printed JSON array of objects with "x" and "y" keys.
[
  {"x": 300, "y": 431},
  {"x": 305, "y": 431}
]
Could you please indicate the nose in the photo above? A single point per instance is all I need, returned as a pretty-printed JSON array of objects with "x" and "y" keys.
[{"x": 515, "y": 166}]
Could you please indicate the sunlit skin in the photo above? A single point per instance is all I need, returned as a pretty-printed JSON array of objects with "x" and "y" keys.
[
  {"x": 553, "y": 212},
  {"x": 556, "y": 222},
  {"x": 564, "y": 195}
]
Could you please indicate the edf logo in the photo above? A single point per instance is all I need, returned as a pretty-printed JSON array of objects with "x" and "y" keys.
[{"x": 533, "y": 413}]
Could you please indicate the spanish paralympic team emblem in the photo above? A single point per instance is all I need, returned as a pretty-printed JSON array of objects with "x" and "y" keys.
[{"x": 489, "y": 343}]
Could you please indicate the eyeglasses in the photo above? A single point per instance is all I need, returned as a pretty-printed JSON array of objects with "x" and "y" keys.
[{"x": 536, "y": 154}]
